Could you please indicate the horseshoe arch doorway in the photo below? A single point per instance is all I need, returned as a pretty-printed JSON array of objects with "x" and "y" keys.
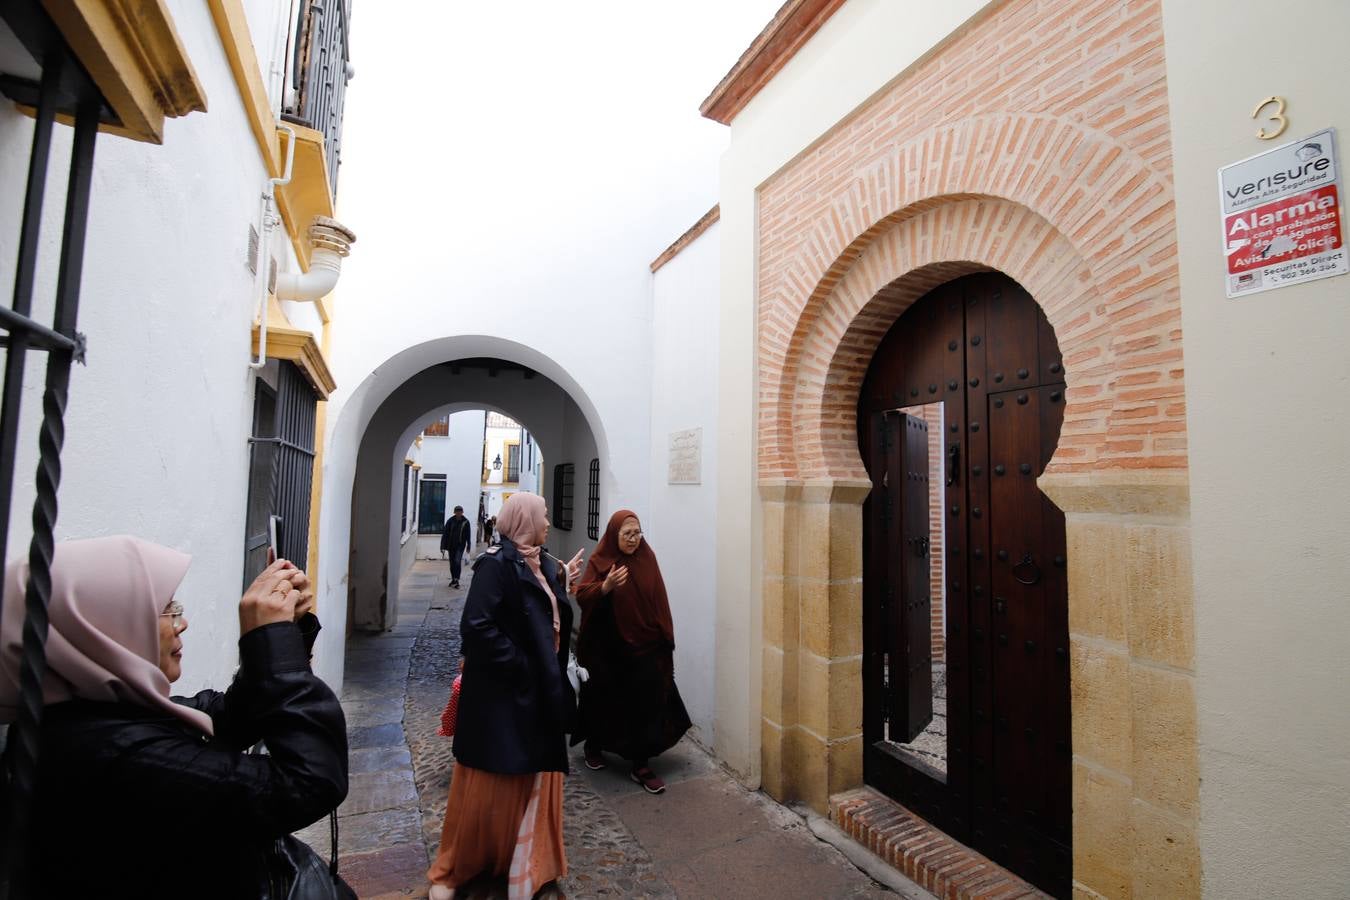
[{"x": 966, "y": 704}]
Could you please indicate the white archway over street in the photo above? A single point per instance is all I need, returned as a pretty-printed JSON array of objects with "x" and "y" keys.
[{"x": 359, "y": 546}]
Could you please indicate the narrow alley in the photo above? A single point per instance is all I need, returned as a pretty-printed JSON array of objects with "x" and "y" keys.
[{"x": 706, "y": 836}]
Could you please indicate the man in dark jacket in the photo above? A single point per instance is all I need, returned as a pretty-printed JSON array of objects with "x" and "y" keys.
[{"x": 455, "y": 539}]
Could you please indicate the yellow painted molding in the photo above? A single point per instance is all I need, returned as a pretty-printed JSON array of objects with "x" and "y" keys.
[
  {"x": 232, "y": 25},
  {"x": 134, "y": 54},
  {"x": 325, "y": 312},
  {"x": 308, "y": 194},
  {"x": 300, "y": 347}
]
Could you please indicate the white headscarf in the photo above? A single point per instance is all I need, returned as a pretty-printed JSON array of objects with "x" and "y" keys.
[{"x": 103, "y": 643}]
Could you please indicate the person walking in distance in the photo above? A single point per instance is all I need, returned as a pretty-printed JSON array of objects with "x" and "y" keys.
[{"x": 455, "y": 539}]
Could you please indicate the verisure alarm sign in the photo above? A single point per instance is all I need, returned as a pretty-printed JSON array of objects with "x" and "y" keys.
[{"x": 1281, "y": 213}]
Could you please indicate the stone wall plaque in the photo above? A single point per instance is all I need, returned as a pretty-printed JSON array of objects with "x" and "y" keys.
[{"x": 686, "y": 457}]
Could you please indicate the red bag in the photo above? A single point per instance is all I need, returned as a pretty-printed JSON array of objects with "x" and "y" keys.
[{"x": 451, "y": 712}]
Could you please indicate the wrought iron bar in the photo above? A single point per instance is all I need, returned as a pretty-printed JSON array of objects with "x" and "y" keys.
[
  {"x": 321, "y": 75},
  {"x": 39, "y": 336},
  {"x": 26, "y": 268},
  {"x": 25, "y": 736}
]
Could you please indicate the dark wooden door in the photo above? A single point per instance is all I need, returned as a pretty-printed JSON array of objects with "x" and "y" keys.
[
  {"x": 982, "y": 347},
  {"x": 909, "y": 652}
]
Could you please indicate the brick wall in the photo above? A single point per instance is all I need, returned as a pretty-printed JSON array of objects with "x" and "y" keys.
[{"x": 1035, "y": 142}]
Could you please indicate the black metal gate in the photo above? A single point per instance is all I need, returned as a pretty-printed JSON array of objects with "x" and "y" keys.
[
  {"x": 281, "y": 468},
  {"x": 67, "y": 89}
]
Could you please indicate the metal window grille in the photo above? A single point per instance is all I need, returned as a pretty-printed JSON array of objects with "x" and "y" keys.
[
  {"x": 64, "y": 88},
  {"x": 593, "y": 502},
  {"x": 563, "y": 473},
  {"x": 281, "y": 467},
  {"x": 319, "y": 74},
  {"x": 512, "y": 463}
]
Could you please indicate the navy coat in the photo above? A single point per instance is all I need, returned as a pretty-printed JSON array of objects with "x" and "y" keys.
[{"x": 515, "y": 703}]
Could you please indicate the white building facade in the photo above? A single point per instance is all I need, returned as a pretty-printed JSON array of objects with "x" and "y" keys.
[{"x": 169, "y": 429}]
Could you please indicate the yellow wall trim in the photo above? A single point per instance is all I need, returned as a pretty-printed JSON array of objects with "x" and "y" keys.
[
  {"x": 135, "y": 56},
  {"x": 307, "y": 195},
  {"x": 299, "y": 347}
]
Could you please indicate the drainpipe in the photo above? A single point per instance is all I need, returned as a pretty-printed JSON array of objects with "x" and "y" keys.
[
  {"x": 266, "y": 222},
  {"x": 331, "y": 241}
]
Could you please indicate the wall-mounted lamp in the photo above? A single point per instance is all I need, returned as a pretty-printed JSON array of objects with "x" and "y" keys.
[{"x": 497, "y": 463}]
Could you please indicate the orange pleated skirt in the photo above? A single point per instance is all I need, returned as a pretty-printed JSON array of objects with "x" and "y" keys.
[{"x": 502, "y": 825}]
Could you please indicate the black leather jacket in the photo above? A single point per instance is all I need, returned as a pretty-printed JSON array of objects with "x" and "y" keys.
[
  {"x": 131, "y": 803},
  {"x": 515, "y": 702}
]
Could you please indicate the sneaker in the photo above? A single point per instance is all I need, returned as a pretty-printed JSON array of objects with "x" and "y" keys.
[
  {"x": 454, "y": 584},
  {"x": 648, "y": 779},
  {"x": 594, "y": 759}
]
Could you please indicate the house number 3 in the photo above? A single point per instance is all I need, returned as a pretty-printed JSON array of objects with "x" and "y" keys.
[{"x": 1276, "y": 118}]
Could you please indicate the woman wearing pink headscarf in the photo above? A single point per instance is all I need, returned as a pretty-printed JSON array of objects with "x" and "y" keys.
[
  {"x": 504, "y": 813},
  {"x": 142, "y": 794}
]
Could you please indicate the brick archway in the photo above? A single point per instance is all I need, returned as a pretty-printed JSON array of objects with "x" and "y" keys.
[
  {"x": 1118, "y": 474},
  {"x": 1050, "y": 202}
]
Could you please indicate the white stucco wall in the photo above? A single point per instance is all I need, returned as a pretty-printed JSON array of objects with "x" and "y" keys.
[
  {"x": 158, "y": 422},
  {"x": 681, "y": 522},
  {"x": 1266, "y": 380},
  {"x": 863, "y": 47}
]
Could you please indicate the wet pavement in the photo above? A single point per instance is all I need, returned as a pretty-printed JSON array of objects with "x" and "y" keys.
[{"x": 706, "y": 836}]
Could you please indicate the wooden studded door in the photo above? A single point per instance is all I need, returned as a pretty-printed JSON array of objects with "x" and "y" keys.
[{"x": 977, "y": 357}]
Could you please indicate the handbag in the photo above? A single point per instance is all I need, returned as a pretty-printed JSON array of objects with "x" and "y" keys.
[
  {"x": 576, "y": 673},
  {"x": 293, "y": 871},
  {"x": 450, "y": 715}
]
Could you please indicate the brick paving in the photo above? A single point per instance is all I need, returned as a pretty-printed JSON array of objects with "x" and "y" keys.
[{"x": 705, "y": 837}]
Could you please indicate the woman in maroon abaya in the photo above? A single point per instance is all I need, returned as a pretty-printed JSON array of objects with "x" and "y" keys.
[{"x": 630, "y": 706}]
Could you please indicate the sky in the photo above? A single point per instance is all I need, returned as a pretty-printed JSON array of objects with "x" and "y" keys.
[{"x": 530, "y": 148}]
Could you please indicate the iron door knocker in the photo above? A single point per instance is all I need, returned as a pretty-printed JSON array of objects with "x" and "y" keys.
[{"x": 1027, "y": 562}]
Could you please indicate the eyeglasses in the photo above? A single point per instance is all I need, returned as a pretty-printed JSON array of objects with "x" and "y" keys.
[
  {"x": 630, "y": 535},
  {"x": 174, "y": 611}
]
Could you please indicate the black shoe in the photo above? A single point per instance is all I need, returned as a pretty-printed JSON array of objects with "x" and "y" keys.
[{"x": 454, "y": 584}]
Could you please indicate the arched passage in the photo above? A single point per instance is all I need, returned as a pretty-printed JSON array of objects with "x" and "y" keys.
[
  {"x": 388, "y": 406},
  {"x": 376, "y": 556}
]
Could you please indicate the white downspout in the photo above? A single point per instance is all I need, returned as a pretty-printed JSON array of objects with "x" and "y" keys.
[
  {"x": 331, "y": 241},
  {"x": 266, "y": 222}
]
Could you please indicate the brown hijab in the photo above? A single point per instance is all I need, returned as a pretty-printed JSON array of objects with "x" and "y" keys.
[
  {"x": 641, "y": 608},
  {"x": 103, "y": 643}
]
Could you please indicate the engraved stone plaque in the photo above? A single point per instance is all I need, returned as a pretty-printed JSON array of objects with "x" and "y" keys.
[{"x": 686, "y": 457}]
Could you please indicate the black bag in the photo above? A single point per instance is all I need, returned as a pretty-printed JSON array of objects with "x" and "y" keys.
[{"x": 293, "y": 871}]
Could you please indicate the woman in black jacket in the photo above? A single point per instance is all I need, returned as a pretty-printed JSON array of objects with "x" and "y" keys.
[
  {"x": 504, "y": 813},
  {"x": 142, "y": 795}
]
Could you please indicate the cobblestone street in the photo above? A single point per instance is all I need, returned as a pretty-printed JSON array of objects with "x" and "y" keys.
[{"x": 706, "y": 836}]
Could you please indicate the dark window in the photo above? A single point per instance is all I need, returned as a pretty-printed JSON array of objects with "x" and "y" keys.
[
  {"x": 407, "y": 472},
  {"x": 512, "y": 463},
  {"x": 431, "y": 507},
  {"x": 593, "y": 502},
  {"x": 281, "y": 467},
  {"x": 563, "y": 473}
]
